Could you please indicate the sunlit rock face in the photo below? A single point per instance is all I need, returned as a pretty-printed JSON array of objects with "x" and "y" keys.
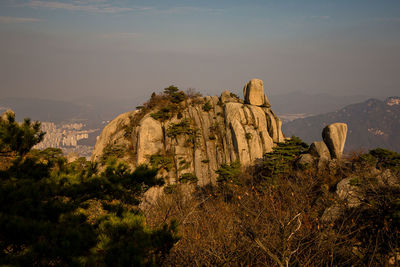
[
  {"x": 254, "y": 93},
  {"x": 218, "y": 130},
  {"x": 334, "y": 136}
]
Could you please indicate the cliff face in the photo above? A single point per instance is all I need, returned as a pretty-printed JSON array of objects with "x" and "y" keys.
[{"x": 191, "y": 137}]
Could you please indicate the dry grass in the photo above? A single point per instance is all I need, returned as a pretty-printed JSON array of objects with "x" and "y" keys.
[{"x": 264, "y": 224}]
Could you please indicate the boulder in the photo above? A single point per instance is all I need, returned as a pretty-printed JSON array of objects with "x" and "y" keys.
[
  {"x": 334, "y": 136},
  {"x": 305, "y": 161},
  {"x": 320, "y": 150},
  {"x": 350, "y": 193},
  {"x": 254, "y": 93},
  {"x": 331, "y": 214}
]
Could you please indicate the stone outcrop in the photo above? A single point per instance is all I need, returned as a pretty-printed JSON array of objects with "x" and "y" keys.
[
  {"x": 205, "y": 133},
  {"x": 334, "y": 136},
  {"x": 254, "y": 93},
  {"x": 320, "y": 150},
  {"x": 113, "y": 136},
  {"x": 321, "y": 153}
]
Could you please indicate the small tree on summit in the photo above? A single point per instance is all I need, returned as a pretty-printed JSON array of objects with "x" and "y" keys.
[
  {"x": 175, "y": 94},
  {"x": 19, "y": 138}
]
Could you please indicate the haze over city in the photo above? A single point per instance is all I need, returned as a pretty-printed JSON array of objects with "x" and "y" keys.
[{"x": 123, "y": 49}]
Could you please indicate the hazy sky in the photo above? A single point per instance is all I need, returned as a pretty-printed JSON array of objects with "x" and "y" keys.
[{"x": 128, "y": 49}]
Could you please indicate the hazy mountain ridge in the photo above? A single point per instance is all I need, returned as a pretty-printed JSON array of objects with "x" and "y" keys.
[
  {"x": 92, "y": 110},
  {"x": 299, "y": 102},
  {"x": 373, "y": 123}
]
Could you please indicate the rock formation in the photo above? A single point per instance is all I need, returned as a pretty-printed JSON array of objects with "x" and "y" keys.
[
  {"x": 334, "y": 136},
  {"x": 321, "y": 152},
  {"x": 195, "y": 136},
  {"x": 254, "y": 93}
]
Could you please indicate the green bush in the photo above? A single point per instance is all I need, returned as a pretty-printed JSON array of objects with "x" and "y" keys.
[
  {"x": 188, "y": 178},
  {"x": 163, "y": 114},
  {"x": 112, "y": 151},
  {"x": 184, "y": 128},
  {"x": 207, "y": 106},
  {"x": 161, "y": 162},
  {"x": 175, "y": 95},
  {"x": 181, "y": 128},
  {"x": 281, "y": 160},
  {"x": 386, "y": 159},
  {"x": 229, "y": 173}
]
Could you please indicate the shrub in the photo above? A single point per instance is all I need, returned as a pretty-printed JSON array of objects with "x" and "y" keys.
[
  {"x": 281, "y": 160},
  {"x": 161, "y": 162},
  {"x": 229, "y": 173},
  {"x": 163, "y": 114},
  {"x": 181, "y": 128},
  {"x": 207, "y": 106},
  {"x": 248, "y": 136},
  {"x": 171, "y": 189},
  {"x": 386, "y": 159},
  {"x": 184, "y": 128},
  {"x": 188, "y": 178},
  {"x": 112, "y": 151},
  {"x": 175, "y": 95}
]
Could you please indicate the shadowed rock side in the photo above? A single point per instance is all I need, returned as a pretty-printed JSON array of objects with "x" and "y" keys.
[
  {"x": 205, "y": 133},
  {"x": 334, "y": 136}
]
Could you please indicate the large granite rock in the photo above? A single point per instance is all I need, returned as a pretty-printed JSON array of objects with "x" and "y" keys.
[
  {"x": 150, "y": 139},
  {"x": 320, "y": 150},
  {"x": 113, "y": 135},
  {"x": 226, "y": 132},
  {"x": 334, "y": 136},
  {"x": 254, "y": 93}
]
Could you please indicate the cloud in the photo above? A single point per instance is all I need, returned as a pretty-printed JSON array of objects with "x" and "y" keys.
[
  {"x": 18, "y": 20},
  {"x": 188, "y": 9},
  {"x": 98, "y": 6}
]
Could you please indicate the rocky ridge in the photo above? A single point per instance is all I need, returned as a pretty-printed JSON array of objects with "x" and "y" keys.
[{"x": 188, "y": 138}]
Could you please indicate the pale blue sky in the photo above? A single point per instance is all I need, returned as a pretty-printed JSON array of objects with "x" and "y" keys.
[{"x": 128, "y": 49}]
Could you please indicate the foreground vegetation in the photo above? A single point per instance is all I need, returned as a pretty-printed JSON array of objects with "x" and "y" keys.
[
  {"x": 54, "y": 212},
  {"x": 275, "y": 213}
]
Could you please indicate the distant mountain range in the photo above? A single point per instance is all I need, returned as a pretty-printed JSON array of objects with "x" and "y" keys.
[
  {"x": 95, "y": 108},
  {"x": 373, "y": 123},
  {"x": 91, "y": 110},
  {"x": 311, "y": 104}
]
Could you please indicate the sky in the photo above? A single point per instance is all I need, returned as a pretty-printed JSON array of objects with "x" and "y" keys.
[{"x": 127, "y": 49}]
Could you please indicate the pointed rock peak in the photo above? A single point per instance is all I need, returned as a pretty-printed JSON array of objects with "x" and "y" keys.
[{"x": 254, "y": 93}]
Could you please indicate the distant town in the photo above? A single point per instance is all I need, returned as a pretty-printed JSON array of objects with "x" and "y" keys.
[{"x": 70, "y": 137}]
